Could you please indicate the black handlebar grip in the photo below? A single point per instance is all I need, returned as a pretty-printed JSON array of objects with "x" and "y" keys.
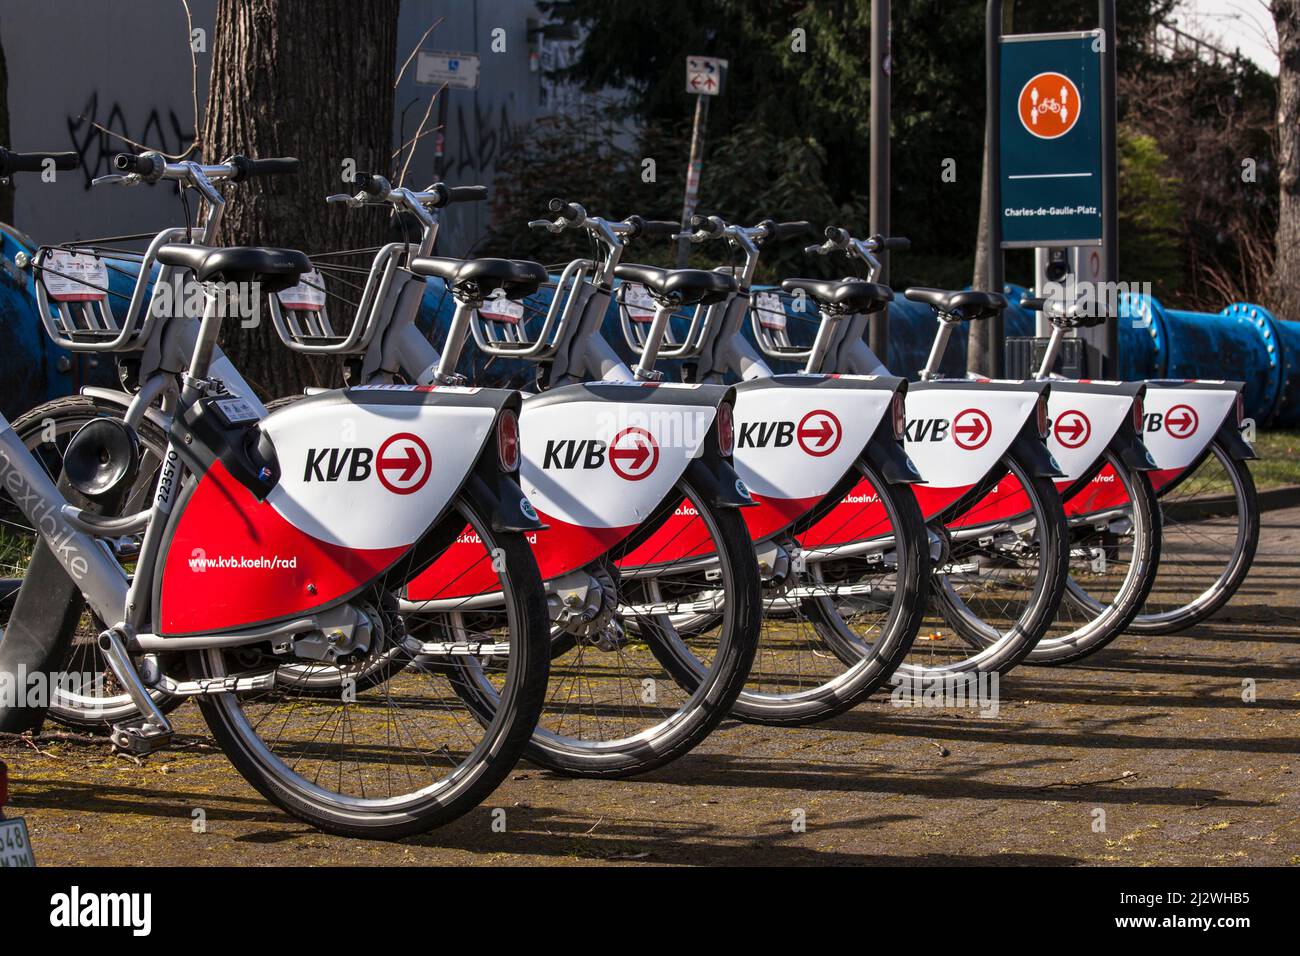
[
  {"x": 659, "y": 227},
  {"x": 705, "y": 224},
  {"x": 33, "y": 162},
  {"x": 246, "y": 168},
  {"x": 369, "y": 183},
  {"x": 1033, "y": 304},
  {"x": 566, "y": 209},
  {"x": 900, "y": 243},
  {"x": 131, "y": 163},
  {"x": 789, "y": 230},
  {"x": 468, "y": 194}
]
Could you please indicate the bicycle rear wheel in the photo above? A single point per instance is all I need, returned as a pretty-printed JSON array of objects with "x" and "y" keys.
[
  {"x": 1000, "y": 585},
  {"x": 390, "y": 758},
  {"x": 1209, "y": 533},
  {"x": 835, "y": 632},
  {"x": 663, "y": 671},
  {"x": 1114, "y": 557}
]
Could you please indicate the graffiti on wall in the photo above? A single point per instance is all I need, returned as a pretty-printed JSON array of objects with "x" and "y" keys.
[{"x": 160, "y": 129}]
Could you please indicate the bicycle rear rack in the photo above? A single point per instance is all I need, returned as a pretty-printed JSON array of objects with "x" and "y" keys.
[
  {"x": 77, "y": 315},
  {"x": 300, "y": 314},
  {"x": 770, "y": 313},
  {"x": 503, "y": 332}
]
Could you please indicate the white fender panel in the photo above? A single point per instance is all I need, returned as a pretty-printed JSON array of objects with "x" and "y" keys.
[
  {"x": 956, "y": 436},
  {"x": 1181, "y": 421},
  {"x": 372, "y": 476},
  {"x": 796, "y": 443},
  {"x": 1082, "y": 425},
  {"x": 605, "y": 464}
]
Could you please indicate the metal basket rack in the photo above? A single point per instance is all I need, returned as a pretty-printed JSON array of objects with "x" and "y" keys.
[
  {"x": 89, "y": 323},
  {"x": 770, "y": 315},
  {"x": 305, "y": 326}
]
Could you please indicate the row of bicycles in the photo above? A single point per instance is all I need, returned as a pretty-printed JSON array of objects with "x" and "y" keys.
[{"x": 384, "y": 594}]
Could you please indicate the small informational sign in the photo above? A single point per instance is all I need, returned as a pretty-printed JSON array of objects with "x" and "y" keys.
[
  {"x": 1051, "y": 157},
  {"x": 459, "y": 71},
  {"x": 73, "y": 276},
  {"x": 770, "y": 310},
  {"x": 15, "y": 847},
  {"x": 502, "y": 310},
  {"x": 704, "y": 75},
  {"x": 307, "y": 296},
  {"x": 640, "y": 305}
]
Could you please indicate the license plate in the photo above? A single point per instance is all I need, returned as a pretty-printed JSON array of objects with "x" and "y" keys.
[{"x": 15, "y": 848}]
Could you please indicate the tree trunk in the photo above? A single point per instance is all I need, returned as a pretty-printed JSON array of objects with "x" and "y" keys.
[
  {"x": 1286, "y": 268},
  {"x": 311, "y": 79}
]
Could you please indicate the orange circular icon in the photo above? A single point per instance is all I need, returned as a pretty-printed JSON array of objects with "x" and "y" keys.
[{"x": 1049, "y": 105}]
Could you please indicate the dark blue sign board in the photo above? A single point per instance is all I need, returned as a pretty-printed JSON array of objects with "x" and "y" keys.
[{"x": 1051, "y": 152}]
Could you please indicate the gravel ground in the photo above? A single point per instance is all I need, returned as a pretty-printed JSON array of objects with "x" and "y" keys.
[{"x": 1144, "y": 754}]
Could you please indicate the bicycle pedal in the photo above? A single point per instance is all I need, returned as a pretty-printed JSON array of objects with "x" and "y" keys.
[{"x": 139, "y": 737}]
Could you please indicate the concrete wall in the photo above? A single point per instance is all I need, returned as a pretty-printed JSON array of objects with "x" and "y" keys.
[{"x": 126, "y": 66}]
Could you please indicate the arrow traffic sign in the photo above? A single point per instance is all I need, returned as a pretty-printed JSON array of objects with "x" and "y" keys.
[{"x": 704, "y": 75}]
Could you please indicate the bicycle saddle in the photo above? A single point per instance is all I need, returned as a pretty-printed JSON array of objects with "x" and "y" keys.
[
  {"x": 682, "y": 286},
  {"x": 962, "y": 305},
  {"x": 276, "y": 269},
  {"x": 479, "y": 278},
  {"x": 849, "y": 297}
]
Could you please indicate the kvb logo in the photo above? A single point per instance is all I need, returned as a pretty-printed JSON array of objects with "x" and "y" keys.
[
  {"x": 926, "y": 429},
  {"x": 971, "y": 429},
  {"x": 819, "y": 433},
  {"x": 1181, "y": 421},
  {"x": 1072, "y": 429},
  {"x": 633, "y": 454},
  {"x": 1049, "y": 105},
  {"x": 403, "y": 464}
]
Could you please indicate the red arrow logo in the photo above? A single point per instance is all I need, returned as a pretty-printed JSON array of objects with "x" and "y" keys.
[
  {"x": 411, "y": 461},
  {"x": 1072, "y": 429},
  {"x": 633, "y": 454},
  {"x": 819, "y": 433},
  {"x": 1181, "y": 421},
  {"x": 971, "y": 429}
]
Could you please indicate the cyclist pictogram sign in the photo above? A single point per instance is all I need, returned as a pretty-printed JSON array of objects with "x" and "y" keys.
[
  {"x": 819, "y": 433},
  {"x": 1181, "y": 421},
  {"x": 403, "y": 463},
  {"x": 1049, "y": 105},
  {"x": 1072, "y": 429},
  {"x": 633, "y": 454},
  {"x": 971, "y": 429}
]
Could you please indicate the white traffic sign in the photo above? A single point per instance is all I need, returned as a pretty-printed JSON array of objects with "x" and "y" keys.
[
  {"x": 704, "y": 75},
  {"x": 458, "y": 70}
]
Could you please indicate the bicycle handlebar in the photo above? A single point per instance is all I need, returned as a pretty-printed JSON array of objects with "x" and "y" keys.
[
  {"x": 246, "y": 168},
  {"x": 33, "y": 162},
  {"x": 651, "y": 227},
  {"x": 781, "y": 231},
  {"x": 566, "y": 210}
]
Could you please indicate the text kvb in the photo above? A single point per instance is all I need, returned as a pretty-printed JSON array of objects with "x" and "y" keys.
[
  {"x": 567, "y": 453},
  {"x": 926, "y": 429},
  {"x": 338, "y": 464},
  {"x": 765, "y": 435}
]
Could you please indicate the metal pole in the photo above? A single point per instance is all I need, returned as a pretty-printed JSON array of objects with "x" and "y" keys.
[
  {"x": 1109, "y": 183},
  {"x": 993, "y": 172},
  {"x": 881, "y": 68},
  {"x": 693, "y": 176}
]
